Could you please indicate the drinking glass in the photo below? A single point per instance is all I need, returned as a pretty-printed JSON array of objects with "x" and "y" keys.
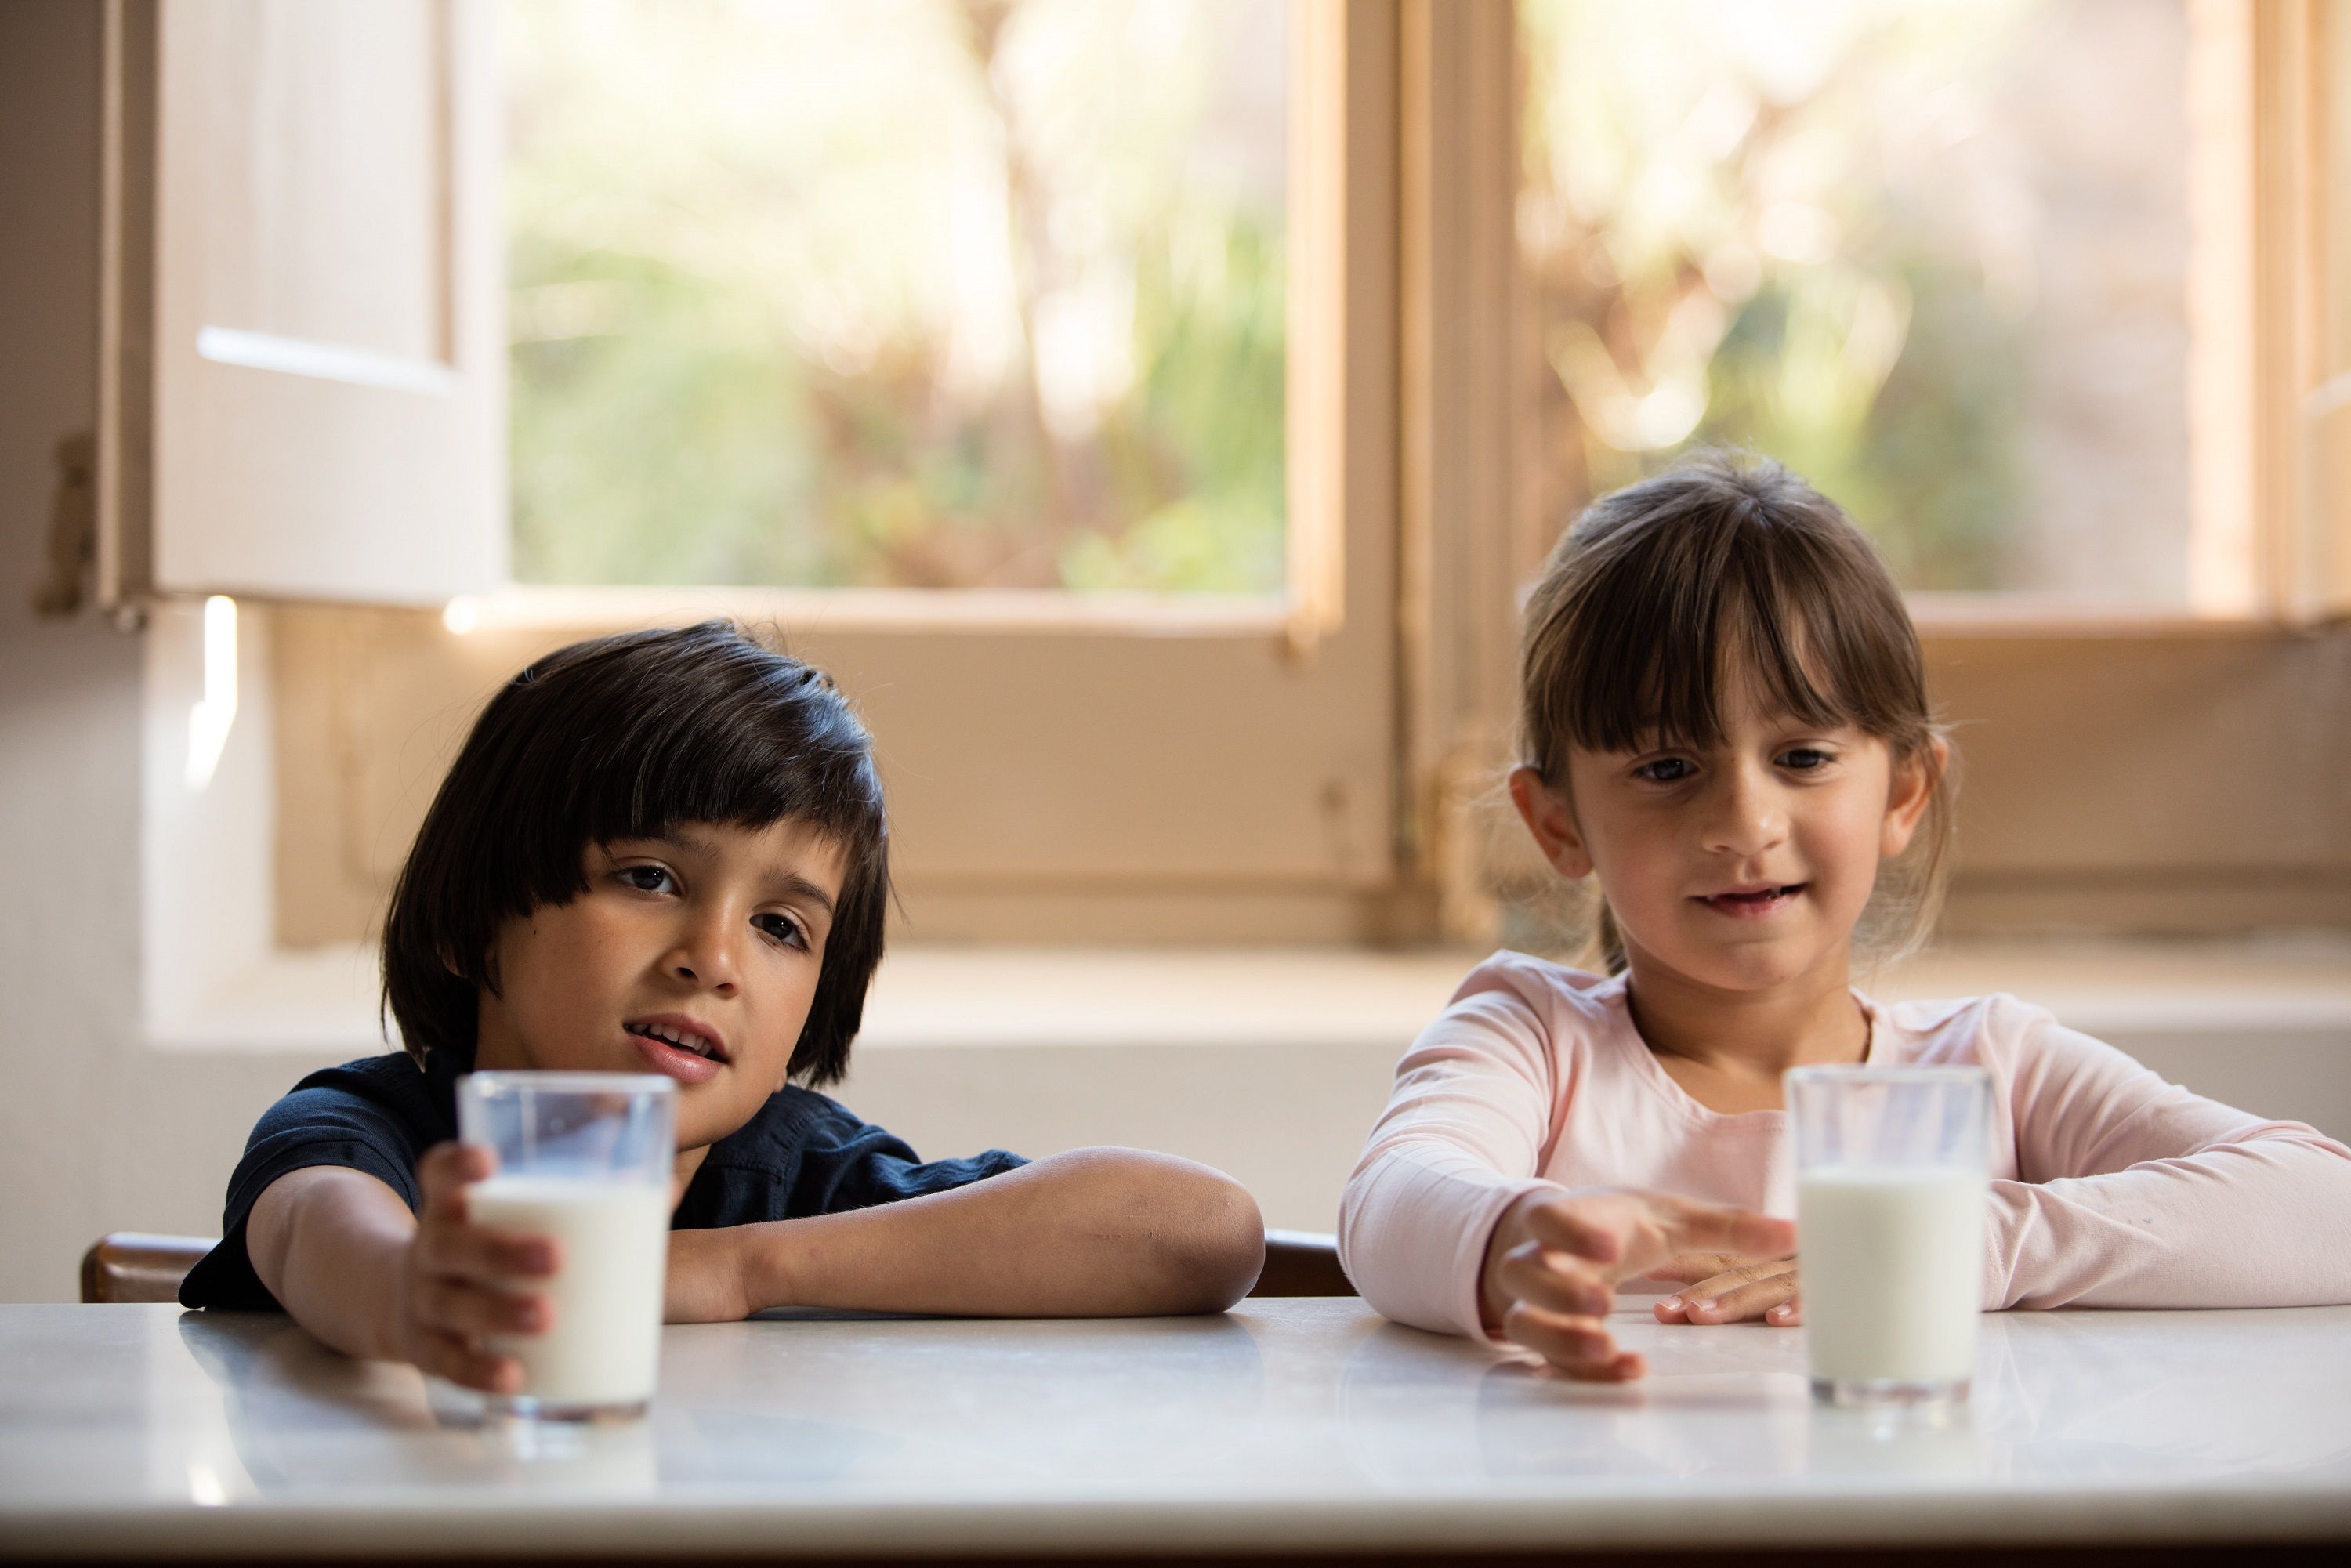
[
  {"x": 1892, "y": 1165},
  {"x": 584, "y": 1158}
]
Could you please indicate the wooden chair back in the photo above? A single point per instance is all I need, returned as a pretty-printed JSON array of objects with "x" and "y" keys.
[{"x": 133, "y": 1266}]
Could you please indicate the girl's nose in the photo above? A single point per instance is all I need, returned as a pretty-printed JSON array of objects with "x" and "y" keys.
[{"x": 1747, "y": 816}]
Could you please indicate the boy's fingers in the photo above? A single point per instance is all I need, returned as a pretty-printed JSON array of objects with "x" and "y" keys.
[
  {"x": 454, "y": 1358},
  {"x": 478, "y": 1254},
  {"x": 443, "y": 1174},
  {"x": 453, "y": 1307}
]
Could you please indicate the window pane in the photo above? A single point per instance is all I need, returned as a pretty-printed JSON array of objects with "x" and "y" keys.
[
  {"x": 1932, "y": 253},
  {"x": 905, "y": 294}
]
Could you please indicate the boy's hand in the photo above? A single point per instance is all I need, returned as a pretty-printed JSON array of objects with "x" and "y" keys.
[
  {"x": 706, "y": 1284},
  {"x": 454, "y": 1279},
  {"x": 1554, "y": 1259},
  {"x": 1725, "y": 1288}
]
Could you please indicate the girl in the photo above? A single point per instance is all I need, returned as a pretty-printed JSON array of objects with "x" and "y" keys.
[
  {"x": 1726, "y": 727},
  {"x": 666, "y": 852}
]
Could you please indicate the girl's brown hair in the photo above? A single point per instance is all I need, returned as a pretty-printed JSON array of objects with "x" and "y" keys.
[{"x": 1730, "y": 563}]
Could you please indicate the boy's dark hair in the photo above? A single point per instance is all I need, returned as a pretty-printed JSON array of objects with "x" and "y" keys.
[
  {"x": 627, "y": 736},
  {"x": 1729, "y": 562}
]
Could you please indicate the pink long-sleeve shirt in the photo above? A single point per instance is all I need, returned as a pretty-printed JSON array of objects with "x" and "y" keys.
[{"x": 2110, "y": 1187}]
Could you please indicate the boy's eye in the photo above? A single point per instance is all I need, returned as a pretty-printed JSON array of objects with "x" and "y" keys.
[
  {"x": 1664, "y": 770},
  {"x": 780, "y": 929},
  {"x": 647, "y": 878}
]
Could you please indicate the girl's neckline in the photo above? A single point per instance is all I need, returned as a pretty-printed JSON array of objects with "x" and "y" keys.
[{"x": 1646, "y": 1066}]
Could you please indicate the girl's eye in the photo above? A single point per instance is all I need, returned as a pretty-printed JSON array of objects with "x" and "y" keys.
[
  {"x": 1664, "y": 770},
  {"x": 780, "y": 929},
  {"x": 647, "y": 878},
  {"x": 1805, "y": 760}
]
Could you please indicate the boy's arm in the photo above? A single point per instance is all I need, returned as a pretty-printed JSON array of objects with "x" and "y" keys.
[
  {"x": 343, "y": 1255},
  {"x": 1090, "y": 1233}
]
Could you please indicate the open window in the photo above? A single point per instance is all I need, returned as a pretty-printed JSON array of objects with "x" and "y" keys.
[{"x": 314, "y": 304}]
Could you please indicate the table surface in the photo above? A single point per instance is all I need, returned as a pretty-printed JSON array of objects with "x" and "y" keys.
[{"x": 1287, "y": 1425}]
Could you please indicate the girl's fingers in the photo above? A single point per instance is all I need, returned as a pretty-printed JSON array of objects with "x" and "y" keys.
[
  {"x": 1691, "y": 1267},
  {"x": 1741, "y": 1300},
  {"x": 1788, "y": 1315},
  {"x": 1554, "y": 1282},
  {"x": 1572, "y": 1225},
  {"x": 1698, "y": 1227},
  {"x": 1579, "y": 1347}
]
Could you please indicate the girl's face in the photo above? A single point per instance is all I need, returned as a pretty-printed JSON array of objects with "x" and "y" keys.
[
  {"x": 1741, "y": 868},
  {"x": 695, "y": 954}
]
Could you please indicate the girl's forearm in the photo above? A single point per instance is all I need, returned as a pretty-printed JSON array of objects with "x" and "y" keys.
[
  {"x": 1090, "y": 1233},
  {"x": 328, "y": 1243}
]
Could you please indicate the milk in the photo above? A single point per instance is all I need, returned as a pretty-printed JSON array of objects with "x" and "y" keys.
[
  {"x": 604, "y": 1343},
  {"x": 1891, "y": 1260}
]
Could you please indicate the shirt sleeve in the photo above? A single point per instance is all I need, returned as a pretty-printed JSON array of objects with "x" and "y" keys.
[
  {"x": 808, "y": 1155},
  {"x": 2136, "y": 1192},
  {"x": 1460, "y": 1141},
  {"x": 313, "y": 1125}
]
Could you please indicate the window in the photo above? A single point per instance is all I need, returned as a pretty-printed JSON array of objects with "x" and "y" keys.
[
  {"x": 1936, "y": 256},
  {"x": 898, "y": 295},
  {"x": 1284, "y": 736}
]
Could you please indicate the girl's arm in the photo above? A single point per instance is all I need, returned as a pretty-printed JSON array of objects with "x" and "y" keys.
[
  {"x": 1455, "y": 1152},
  {"x": 2136, "y": 1192},
  {"x": 347, "y": 1259},
  {"x": 1090, "y": 1233}
]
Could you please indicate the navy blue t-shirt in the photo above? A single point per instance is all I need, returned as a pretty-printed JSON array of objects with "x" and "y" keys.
[{"x": 800, "y": 1155}]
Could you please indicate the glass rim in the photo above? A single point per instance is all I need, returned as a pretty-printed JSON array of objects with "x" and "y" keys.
[
  {"x": 1859, "y": 1073},
  {"x": 509, "y": 1079}
]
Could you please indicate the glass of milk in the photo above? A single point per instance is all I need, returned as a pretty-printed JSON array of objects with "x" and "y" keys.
[
  {"x": 1891, "y": 1176},
  {"x": 585, "y": 1158}
]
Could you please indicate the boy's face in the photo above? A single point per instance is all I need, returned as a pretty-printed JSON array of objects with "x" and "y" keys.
[{"x": 694, "y": 956}]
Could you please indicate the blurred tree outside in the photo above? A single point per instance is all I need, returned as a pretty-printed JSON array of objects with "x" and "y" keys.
[
  {"x": 899, "y": 293},
  {"x": 1931, "y": 254}
]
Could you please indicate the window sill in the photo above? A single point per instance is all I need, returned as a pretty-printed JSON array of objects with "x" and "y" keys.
[{"x": 323, "y": 1000}]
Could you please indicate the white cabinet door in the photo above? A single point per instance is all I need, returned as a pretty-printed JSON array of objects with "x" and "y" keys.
[{"x": 306, "y": 354}]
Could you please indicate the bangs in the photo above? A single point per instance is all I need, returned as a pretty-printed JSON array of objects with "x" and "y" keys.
[
  {"x": 1665, "y": 667},
  {"x": 1673, "y": 599}
]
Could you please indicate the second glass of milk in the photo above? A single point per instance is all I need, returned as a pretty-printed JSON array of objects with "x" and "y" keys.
[
  {"x": 585, "y": 1158},
  {"x": 1891, "y": 1178}
]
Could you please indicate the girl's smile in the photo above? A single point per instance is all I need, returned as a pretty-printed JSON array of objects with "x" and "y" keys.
[{"x": 1756, "y": 902}]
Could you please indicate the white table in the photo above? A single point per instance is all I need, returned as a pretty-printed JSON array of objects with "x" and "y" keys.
[{"x": 1289, "y": 1425}]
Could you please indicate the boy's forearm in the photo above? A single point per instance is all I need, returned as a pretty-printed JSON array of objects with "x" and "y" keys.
[
  {"x": 331, "y": 1251},
  {"x": 1090, "y": 1233}
]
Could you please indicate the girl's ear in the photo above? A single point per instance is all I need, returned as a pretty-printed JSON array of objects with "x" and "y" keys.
[
  {"x": 1552, "y": 824},
  {"x": 1913, "y": 786}
]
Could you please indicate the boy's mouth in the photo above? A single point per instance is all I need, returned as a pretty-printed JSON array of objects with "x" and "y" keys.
[
  {"x": 672, "y": 1043},
  {"x": 1750, "y": 902}
]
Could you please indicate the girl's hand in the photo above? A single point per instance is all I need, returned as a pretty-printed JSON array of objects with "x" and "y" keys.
[
  {"x": 1724, "y": 1288},
  {"x": 1554, "y": 1259},
  {"x": 706, "y": 1284},
  {"x": 454, "y": 1279}
]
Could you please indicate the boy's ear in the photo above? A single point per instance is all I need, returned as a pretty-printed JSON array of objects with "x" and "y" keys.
[
  {"x": 1912, "y": 787},
  {"x": 1551, "y": 823}
]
